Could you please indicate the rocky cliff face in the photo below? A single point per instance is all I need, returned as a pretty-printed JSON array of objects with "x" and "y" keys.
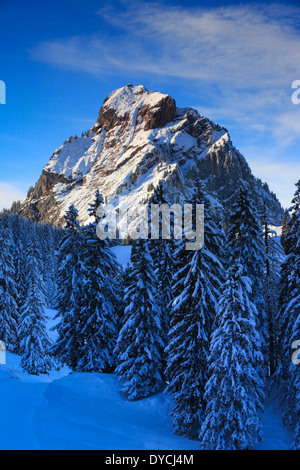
[{"x": 140, "y": 138}]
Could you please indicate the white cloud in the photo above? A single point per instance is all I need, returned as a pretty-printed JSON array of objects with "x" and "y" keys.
[
  {"x": 288, "y": 125},
  {"x": 243, "y": 58},
  {"x": 240, "y": 61},
  {"x": 10, "y": 193},
  {"x": 244, "y": 46}
]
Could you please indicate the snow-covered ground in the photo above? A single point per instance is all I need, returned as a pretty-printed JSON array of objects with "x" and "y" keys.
[
  {"x": 79, "y": 411},
  {"x": 276, "y": 436},
  {"x": 87, "y": 411}
]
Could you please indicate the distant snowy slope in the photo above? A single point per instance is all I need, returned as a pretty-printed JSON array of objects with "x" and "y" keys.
[{"x": 123, "y": 254}]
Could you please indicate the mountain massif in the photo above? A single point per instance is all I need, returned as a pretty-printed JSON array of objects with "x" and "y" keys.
[{"x": 140, "y": 138}]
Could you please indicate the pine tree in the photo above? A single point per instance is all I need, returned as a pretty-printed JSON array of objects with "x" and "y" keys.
[
  {"x": 19, "y": 268},
  {"x": 140, "y": 345},
  {"x": 162, "y": 253},
  {"x": 8, "y": 289},
  {"x": 288, "y": 318},
  {"x": 245, "y": 243},
  {"x": 273, "y": 259},
  {"x": 35, "y": 343},
  {"x": 293, "y": 397},
  {"x": 70, "y": 293},
  {"x": 234, "y": 391},
  {"x": 98, "y": 320},
  {"x": 196, "y": 290},
  {"x": 46, "y": 240},
  {"x": 165, "y": 272}
]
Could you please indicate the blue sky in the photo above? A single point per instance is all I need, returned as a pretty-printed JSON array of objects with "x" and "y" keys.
[{"x": 235, "y": 62}]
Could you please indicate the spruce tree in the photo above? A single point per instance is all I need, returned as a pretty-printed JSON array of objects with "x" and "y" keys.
[
  {"x": 273, "y": 258},
  {"x": 8, "y": 289},
  {"x": 285, "y": 228},
  {"x": 70, "y": 293},
  {"x": 234, "y": 391},
  {"x": 162, "y": 253},
  {"x": 35, "y": 343},
  {"x": 293, "y": 396},
  {"x": 46, "y": 239},
  {"x": 140, "y": 345},
  {"x": 98, "y": 321},
  {"x": 195, "y": 293},
  {"x": 245, "y": 244},
  {"x": 288, "y": 318}
]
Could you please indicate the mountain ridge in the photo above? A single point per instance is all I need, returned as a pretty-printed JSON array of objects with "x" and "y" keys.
[{"x": 141, "y": 137}]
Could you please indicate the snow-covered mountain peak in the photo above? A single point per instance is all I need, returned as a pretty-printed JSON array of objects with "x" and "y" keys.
[
  {"x": 124, "y": 99},
  {"x": 136, "y": 105},
  {"x": 140, "y": 138}
]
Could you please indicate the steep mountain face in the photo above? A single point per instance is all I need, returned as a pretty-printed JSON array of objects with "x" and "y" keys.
[{"x": 140, "y": 138}]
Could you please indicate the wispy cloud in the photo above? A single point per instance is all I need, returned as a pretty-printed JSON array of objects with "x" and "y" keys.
[
  {"x": 246, "y": 45},
  {"x": 9, "y": 193},
  {"x": 242, "y": 45},
  {"x": 242, "y": 57}
]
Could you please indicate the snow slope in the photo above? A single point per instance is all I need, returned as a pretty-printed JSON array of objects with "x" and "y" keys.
[
  {"x": 276, "y": 436},
  {"x": 87, "y": 411},
  {"x": 79, "y": 411}
]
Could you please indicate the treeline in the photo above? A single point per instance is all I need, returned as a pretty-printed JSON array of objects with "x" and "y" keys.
[{"x": 210, "y": 327}]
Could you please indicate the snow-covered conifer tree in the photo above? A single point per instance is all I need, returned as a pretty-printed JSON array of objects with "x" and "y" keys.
[
  {"x": 98, "y": 322},
  {"x": 273, "y": 258},
  {"x": 34, "y": 340},
  {"x": 140, "y": 345},
  {"x": 245, "y": 243},
  {"x": 288, "y": 318},
  {"x": 292, "y": 411},
  {"x": 234, "y": 391},
  {"x": 70, "y": 293},
  {"x": 285, "y": 228},
  {"x": 8, "y": 289},
  {"x": 162, "y": 253},
  {"x": 46, "y": 238},
  {"x": 195, "y": 297}
]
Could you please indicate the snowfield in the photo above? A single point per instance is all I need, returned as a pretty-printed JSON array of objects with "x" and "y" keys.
[
  {"x": 79, "y": 411},
  {"x": 86, "y": 411}
]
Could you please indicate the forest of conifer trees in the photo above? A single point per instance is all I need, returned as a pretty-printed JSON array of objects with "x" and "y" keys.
[{"x": 214, "y": 328}]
